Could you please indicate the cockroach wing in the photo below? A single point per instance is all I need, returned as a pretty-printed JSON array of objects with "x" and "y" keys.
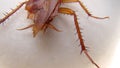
[
  {"x": 43, "y": 14},
  {"x": 41, "y": 10}
]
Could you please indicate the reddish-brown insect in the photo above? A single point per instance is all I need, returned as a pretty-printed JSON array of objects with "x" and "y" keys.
[{"x": 42, "y": 12}]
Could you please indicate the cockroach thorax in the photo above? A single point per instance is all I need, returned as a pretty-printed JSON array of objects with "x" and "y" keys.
[{"x": 34, "y": 5}]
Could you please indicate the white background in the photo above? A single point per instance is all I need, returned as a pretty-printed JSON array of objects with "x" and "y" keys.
[{"x": 18, "y": 49}]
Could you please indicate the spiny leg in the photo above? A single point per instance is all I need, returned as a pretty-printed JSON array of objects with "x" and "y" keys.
[
  {"x": 71, "y": 12},
  {"x": 12, "y": 12},
  {"x": 84, "y": 8}
]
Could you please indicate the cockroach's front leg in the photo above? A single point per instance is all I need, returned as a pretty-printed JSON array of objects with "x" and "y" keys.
[
  {"x": 12, "y": 12},
  {"x": 71, "y": 12},
  {"x": 84, "y": 8}
]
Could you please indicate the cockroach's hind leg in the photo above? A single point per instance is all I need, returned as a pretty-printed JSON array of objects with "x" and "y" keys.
[
  {"x": 84, "y": 8},
  {"x": 12, "y": 12},
  {"x": 88, "y": 13},
  {"x": 71, "y": 12},
  {"x": 99, "y": 17},
  {"x": 86, "y": 53}
]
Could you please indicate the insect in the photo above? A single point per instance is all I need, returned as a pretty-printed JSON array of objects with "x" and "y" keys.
[{"x": 42, "y": 12}]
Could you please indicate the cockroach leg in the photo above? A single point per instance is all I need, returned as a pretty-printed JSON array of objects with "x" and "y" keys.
[
  {"x": 88, "y": 13},
  {"x": 84, "y": 8},
  {"x": 71, "y": 12},
  {"x": 12, "y": 12}
]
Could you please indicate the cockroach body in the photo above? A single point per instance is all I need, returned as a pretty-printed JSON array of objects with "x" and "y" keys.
[{"x": 42, "y": 12}]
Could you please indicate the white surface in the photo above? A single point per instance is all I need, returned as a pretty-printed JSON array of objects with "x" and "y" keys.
[{"x": 18, "y": 49}]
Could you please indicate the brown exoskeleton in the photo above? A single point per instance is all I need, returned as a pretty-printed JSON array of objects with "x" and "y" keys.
[{"x": 42, "y": 12}]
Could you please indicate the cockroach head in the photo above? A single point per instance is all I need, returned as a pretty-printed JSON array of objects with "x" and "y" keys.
[{"x": 34, "y": 5}]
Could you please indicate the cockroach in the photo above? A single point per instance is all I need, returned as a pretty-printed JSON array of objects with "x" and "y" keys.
[{"x": 42, "y": 12}]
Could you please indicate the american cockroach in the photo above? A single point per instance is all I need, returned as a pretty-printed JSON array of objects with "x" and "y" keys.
[{"x": 42, "y": 12}]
